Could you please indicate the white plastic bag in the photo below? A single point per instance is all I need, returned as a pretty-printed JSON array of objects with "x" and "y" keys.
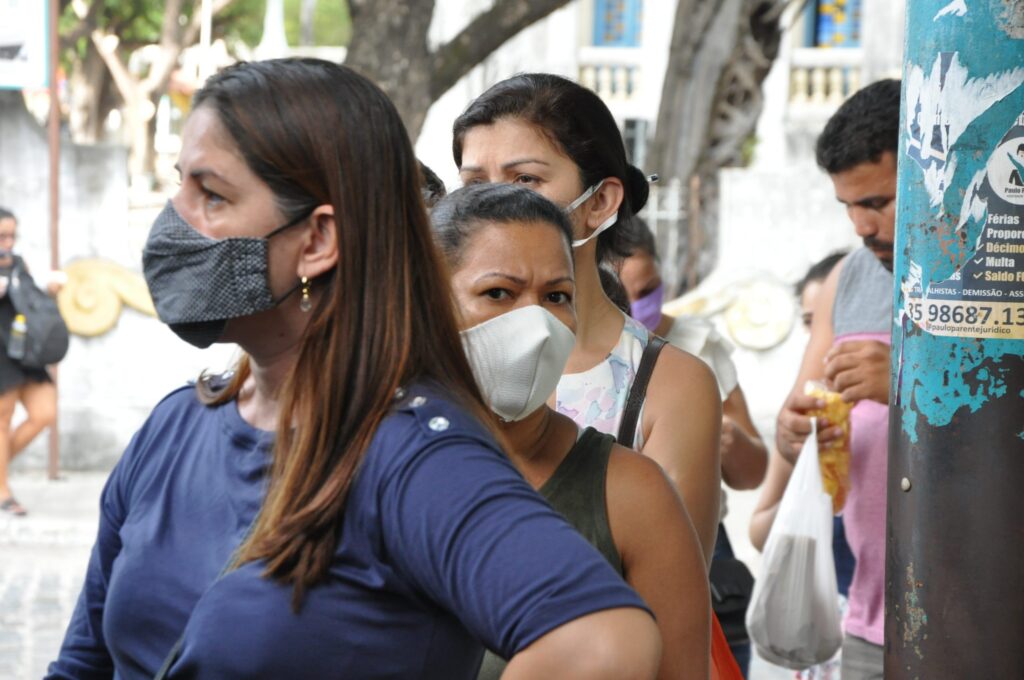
[{"x": 793, "y": 619}]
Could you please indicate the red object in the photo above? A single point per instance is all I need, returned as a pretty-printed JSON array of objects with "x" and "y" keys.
[{"x": 723, "y": 663}]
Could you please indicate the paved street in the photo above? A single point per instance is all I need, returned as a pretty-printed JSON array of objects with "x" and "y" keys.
[
  {"x": 43, "y": 558},
  {"x": 42, "y": 563}
]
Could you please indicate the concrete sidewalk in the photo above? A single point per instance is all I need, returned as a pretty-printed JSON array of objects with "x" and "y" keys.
[{"x": 43, "y": 558}]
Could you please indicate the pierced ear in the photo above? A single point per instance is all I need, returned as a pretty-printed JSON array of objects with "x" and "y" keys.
[
  {"x": 606, "y": 202},
  {"x": 319, "y": 252}
]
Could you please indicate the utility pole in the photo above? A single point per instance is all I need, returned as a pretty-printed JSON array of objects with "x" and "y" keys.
[{"x": 954, "y": 596}]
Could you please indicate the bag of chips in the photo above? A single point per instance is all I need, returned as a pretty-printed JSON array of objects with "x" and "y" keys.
[{"x": 834, "y": 457}]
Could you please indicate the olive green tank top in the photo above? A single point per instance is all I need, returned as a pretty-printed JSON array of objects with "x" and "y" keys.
[{"x": 576, "y": 491}]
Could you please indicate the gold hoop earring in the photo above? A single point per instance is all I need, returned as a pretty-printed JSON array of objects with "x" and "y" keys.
[{"x": 305, "y": 304}]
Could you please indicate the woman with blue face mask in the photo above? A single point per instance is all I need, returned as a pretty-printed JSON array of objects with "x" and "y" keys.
[
  {"x": 337, "y": 507},
  {"x": 559, "y": 139},
  {"x": 509, "y": 254}
]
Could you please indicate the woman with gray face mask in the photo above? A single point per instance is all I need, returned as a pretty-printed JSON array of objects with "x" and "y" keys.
[
  {"x": 337, "y": 507},
  {"x": 508, "y": 250}
]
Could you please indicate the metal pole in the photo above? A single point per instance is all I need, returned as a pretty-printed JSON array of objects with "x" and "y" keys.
[
  {"x": 955, "y": 541},
  {"x": 53, "y": 130}
]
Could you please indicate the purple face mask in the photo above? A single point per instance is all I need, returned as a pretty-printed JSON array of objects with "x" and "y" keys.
[{"x": 647, "y": 310}]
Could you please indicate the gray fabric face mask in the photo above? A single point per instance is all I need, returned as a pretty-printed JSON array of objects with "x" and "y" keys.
[{"x": 199, "y": 283}]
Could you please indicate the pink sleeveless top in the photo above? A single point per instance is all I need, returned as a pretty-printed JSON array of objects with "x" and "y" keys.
[
  {"x": 864, "y": 514},
  {"x": 863, "y": 311}
]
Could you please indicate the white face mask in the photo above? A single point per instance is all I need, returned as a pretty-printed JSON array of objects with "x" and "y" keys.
[
  {"x": 518, "y": 358},
  {"x": 604, "y": 226}
]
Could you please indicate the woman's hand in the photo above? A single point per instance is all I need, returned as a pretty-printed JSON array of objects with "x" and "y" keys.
[{"x": 744, "y": 455}]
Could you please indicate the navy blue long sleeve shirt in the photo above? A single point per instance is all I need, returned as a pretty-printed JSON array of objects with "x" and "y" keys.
[{"x": 444, "y": 549}]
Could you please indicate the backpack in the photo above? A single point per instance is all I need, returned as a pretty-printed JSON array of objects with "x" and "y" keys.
[{"x": 46, "y": 339}]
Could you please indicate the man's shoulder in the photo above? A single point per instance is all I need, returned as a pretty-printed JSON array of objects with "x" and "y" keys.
[{"x": 862, "y": 294}]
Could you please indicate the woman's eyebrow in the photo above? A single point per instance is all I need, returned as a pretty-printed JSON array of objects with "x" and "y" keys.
[
  {"x": 523, "y": 161},
  {"x": 505, "y": 166},
  {"x": 500, "y": 275},
  {"x": 200, "y": 173}
]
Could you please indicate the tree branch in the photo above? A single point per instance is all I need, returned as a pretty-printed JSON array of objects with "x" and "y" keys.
[
  {"x": 106, "y": 46},
  {"x": 485, "y": 34},
  {"x": 173, "y": 45}
]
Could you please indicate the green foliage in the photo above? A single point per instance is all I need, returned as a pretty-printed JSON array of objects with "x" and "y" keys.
[
  {"x": 242, "y": 22},
  {"x": 332, "y": 24},
  {"x": 139, "y": 22},
  {"x": 135, "y": 22}
]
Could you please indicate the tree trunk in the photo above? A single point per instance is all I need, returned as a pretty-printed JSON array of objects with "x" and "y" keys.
[
  {"x": 407, "y": 70},
  {"x": 724, "y": 47},
  {"x": 91, "y": 100},
  {"x": 389, "y": 46}
]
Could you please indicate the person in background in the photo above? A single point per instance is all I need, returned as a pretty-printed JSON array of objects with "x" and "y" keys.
[
  {"x": 780, "y": 469},
  {"x": 509, "y": 254},
  {"x": 849, "y": 350},
  {"x": 743, "y": 452},
  {"x": 337, "y": 507},
  {"x": 558, "y": 138},
  {"x": 33, "y": 387}
]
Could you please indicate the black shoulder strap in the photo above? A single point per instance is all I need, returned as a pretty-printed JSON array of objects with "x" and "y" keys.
[{"x": 638, "y": 391}]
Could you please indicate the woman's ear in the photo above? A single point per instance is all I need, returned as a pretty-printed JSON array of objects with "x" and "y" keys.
[
  {"x": 605, "y": 203},
  {"x": 319, "y": 252}
]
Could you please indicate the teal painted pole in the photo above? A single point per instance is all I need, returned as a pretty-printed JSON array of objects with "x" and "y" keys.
[{"x": 955, "y": 543}]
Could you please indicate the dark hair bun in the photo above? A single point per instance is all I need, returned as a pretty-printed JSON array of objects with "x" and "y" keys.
[{"x": 637, "y": 188}]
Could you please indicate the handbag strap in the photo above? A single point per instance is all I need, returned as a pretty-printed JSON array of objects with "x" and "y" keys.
[{"x": 638, "y": 391}]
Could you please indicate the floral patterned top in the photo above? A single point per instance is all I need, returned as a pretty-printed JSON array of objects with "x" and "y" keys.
[{"x": 597, "y": 397}]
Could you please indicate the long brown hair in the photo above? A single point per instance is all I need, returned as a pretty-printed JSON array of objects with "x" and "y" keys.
[{"x": 318, "y": 133}]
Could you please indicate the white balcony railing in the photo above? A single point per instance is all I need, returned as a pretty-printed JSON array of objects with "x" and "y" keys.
[
  {"x": 823, "y": 77},
  {"x": 614, "y": 73}
]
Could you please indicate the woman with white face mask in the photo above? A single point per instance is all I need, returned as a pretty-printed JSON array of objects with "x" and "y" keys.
[
  {"x": 511, "y": 265},
  {"x": 559, "y": 139}
]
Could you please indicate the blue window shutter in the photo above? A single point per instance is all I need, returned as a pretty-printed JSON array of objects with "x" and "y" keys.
[
  {"x": 617, "y": 23},
  {"x": 837, "y": 23}
]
